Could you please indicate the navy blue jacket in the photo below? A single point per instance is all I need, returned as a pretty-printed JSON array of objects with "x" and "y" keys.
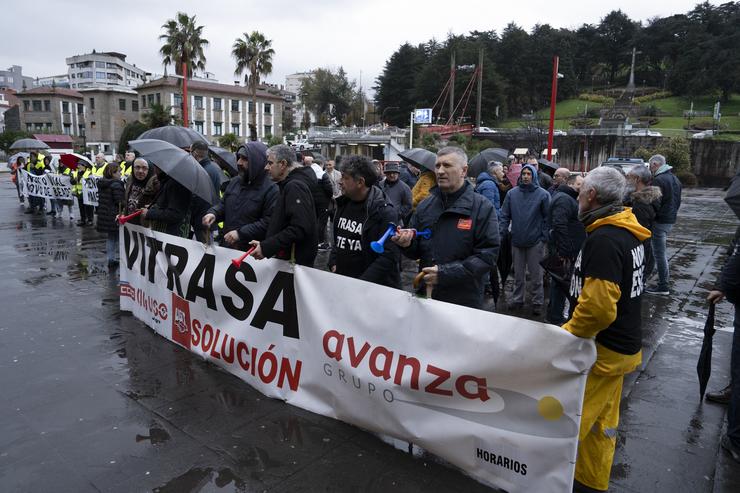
[
  {"x": 527, "y": 208},
  {"x": 487, "y": 186},
  {"x": 670, "y": 202},
  {"x": 464, "y": 243},
  {"x": 568, "y": 233},
  {"x": 248, "y": 200}
]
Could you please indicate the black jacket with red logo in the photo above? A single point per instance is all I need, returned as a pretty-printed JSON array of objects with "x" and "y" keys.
[{"x": 464, "y": 243}]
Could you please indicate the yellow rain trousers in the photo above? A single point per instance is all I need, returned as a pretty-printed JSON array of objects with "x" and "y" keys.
[{"x": 598, "y": 434}]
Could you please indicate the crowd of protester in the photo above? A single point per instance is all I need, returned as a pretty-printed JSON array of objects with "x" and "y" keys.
[{"x": 594, "y": 240}]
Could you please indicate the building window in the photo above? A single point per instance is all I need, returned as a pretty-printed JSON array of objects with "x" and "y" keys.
[
  {"x": 234, "y": 105},
  {"x": 250, "y": 107},
  {"x": 199, "y": 127},
  {"x": 38, "y": 127},
  {"x": 134, "y": 105},
  {"x": 29, "y": 127},
  {"x": 268, "y": 130},
  {"x": 217, "y": 129},
  {"x": 99, "y": 64},
  {"x": 178, "y": 101},
  {"x": 216, "y": 104},
  {"x": 80, "y": 108},
  {"x": 48, "y": 128},
  {"x": 36, "y": 105},
  {"x": 26, "y": 106},
  {"x": 159, "y": 98},
  {"x": 143, "y": 101},
  {"x": 47, "y": 105},
  {"x": 235, "y": 128},
  {"x": 67, "y": 129},
  {"x": 150, "y": 99},
  {"x": 100, "y": 75},
  {"x": 122, "y": 104},
  {"x": 92, "y": 103},
  {"x": 198, "y": 102},
  {"x": 65, "y": 107},
  {"x": 81, "y": 129},
  {"x": 268, "y": 109}
]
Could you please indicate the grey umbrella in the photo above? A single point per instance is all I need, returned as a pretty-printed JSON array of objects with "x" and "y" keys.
[
  {"x": 479, "y": 163},
  {"x": 28, "y": 145},
  {"x": 12, "y": 159},
  {"x": 179, "y": 165},
  {"x": 548, "y": 164},
  {"x": 181, "y": 137},
  {"x": 421, "y": 158},
  {"x": 225, "y": 158}
]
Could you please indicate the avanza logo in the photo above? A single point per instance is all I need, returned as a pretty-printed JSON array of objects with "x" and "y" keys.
[{"x": 181, "y": 321}]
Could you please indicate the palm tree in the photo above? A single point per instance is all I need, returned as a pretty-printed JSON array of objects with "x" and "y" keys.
[
  {"x": 254, "y": 56},
  {"x": 183, "y": 47}
]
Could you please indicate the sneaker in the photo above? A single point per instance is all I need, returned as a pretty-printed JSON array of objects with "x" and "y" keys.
[
  {"x": 324, "y": 246},
  {"x": 658, "y": 291},
  {"x": 721, "y": 396},
  {"x": 80, "y": 223},
  {"x": 730, "y": 447},
  {"x": 51, "y": 213}
]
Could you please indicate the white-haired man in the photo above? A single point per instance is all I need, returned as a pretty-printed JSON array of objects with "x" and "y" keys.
[{"x": 607, "y": 284}]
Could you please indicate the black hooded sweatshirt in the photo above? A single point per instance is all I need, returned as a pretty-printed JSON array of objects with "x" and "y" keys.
[
  {"x": 248, "y": 201},
  {"x": 292, "y": 231}
]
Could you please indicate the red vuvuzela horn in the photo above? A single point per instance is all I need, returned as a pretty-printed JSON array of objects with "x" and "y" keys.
[
  {"x": 124, "y": 219},
  {"x": 238, "y": 261}
]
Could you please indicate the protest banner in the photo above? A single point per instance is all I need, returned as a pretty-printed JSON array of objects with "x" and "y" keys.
[
  {"x": 90, "y": 191},
  {"x": 48, "y": 185},
  {"x": 496, "y": 396}
]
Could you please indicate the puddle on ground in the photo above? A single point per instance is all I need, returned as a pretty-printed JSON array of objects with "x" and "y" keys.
[{"x": 203, "y": 479}]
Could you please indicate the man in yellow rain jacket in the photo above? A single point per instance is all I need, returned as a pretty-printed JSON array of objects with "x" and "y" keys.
[
  {"x": 608, "y": 284},
  {"x": 127, "y": 165}
]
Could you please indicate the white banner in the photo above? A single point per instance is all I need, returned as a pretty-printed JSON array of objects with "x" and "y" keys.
[
  {"x": 48, "y": 186},
  {"x": 497, "y": 396},
  {"x": 90, "y": 190}
]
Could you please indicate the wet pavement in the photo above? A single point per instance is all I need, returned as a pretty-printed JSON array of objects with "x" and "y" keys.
[{"x": 95, "y": 401}]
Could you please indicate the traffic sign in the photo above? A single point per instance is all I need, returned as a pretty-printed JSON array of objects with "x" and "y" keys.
[{"x": 423, "y": 115}]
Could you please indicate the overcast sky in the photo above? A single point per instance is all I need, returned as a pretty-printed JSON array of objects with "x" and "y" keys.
[{"x": 358, "y": 35}]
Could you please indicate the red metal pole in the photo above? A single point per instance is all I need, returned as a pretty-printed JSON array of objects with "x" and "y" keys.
[
  {"x": 184, "y": 94},
  {"x": 553, "y": 101}
]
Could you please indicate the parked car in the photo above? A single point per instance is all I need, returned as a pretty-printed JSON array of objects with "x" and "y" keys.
[
  {"x": 646, "y": 132},
  {"x": 624, "y": 164},
  {"x": 484, "y": 130},
  {"x": 703, "y": 135},
  {"x": 559, "y": 132}
]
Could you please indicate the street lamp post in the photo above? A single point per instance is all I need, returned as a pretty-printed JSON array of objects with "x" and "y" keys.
[{"x": 553, "y": 100}]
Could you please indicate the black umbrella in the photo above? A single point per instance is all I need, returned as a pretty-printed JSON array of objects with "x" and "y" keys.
[
  {"x": 226, "y": 159},
  {"x": 479, "y": 163},
  {"x": 179, "y": 165},
  {"x": 733, "y": 195},
  {"x": 421, "y": 158},
  {"x": 28, "y": 145},
  {"x": 704, "y": 365},
  {"x": 548, "y": 164},
  {"x": 181, "y": 137}
]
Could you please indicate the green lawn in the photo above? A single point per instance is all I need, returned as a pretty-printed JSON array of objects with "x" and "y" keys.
[{"x": 671, "y": 125}]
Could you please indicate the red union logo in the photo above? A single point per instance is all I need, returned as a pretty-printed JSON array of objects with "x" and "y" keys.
[{"x": 181, "y": 321}]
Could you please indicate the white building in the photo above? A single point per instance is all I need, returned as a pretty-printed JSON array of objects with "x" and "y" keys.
[
  {"x": 61, "y": 80},
  {"x": 293, "y": 83},
  {"x": 107, "y": 69}
]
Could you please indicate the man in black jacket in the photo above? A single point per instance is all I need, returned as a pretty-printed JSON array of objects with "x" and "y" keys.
[
  {"x": 465, "y": 238},
  {"x": 248, "y": 201},
  {"x": 397, "y": 191},
  {"x": 322, "y": 192},
  {"x": 645, "y": 202},
  {"x": 292, "y": 233},
  {"x": 567, "y": 235},
  {"x": 670, "y": 189},
  {"x": 363, "y": 214},
  {"x": 730, "y": 287}
]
